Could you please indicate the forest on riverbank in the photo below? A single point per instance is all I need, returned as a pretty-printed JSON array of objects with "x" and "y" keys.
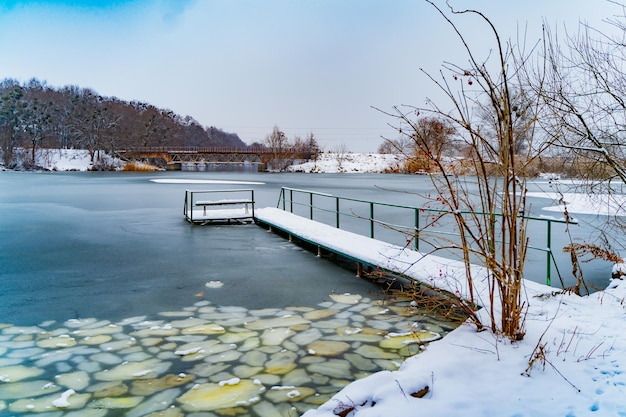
[{"x": 34, "y": 115}]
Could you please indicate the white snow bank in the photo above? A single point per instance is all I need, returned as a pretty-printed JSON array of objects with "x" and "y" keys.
[
  {"x": 65, "y": 159},
  {"x": 349, "y": 162},
  {"x": 579, "y": 203}
]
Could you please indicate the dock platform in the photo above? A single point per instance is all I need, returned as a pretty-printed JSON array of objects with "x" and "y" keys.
[
  {"x": 432, "y": 270},
  {"x": 211, "y": 206}
]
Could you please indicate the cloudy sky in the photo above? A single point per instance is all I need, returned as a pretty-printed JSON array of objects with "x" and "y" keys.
[{"x": 247, "y": 65}]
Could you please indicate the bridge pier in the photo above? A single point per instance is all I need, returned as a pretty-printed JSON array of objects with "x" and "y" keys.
[{"x": 201, "y": 166}]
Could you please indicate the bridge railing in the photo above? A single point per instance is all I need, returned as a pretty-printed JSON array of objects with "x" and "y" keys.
[{"x": 199, "y": 150}]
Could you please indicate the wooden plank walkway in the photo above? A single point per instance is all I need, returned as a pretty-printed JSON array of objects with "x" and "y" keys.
[{"x": 435, "y": 271}]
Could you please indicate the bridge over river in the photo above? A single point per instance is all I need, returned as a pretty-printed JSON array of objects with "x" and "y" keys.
[{"x": 213, "y": 158}]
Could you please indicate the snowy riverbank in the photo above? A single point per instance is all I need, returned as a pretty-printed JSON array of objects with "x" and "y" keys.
[
  {"x": 350, "y": 163},
  {"x": 80, "y": 160}
]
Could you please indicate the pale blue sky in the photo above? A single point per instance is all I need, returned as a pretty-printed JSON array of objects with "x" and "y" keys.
[{"x": 245, "y": 66}]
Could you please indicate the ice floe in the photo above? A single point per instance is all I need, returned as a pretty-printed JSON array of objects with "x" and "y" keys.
[{"x": 204, "y": 358}]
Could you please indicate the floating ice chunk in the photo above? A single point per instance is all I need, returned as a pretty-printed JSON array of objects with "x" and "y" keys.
[
  {"x": 117, "y": 403},
  {"x": 214, "y": 284},
  {"x": 269, "y": 323},
  {"x": 276, "y": 336},
  {"x": 210, "y": 396},
  {"x": 18, "y": 373},
  {"x": 96, "y": 340},
  {"x": 400, "y": 340},
  {"x": 132, "y": 370},
  {"x": 27, "y": 389},
  {"x": 327, "y": 348},
  {"x": 62, "y": 341},
  {"x": 334, "y": 368},
  {"x": 147, "y": 387},
  {"x": 307, "y": 336},
  {"x": 78, "y": 380},
  {"x": 189, "y": 351},
  {"x": 346, "y": 298},
  {"x": 47, "y": 403},
  {"x": 207, "y": 328},
  {"x": 281, "y": 363}
]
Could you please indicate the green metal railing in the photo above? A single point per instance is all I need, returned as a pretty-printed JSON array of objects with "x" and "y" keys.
[{"x": 333, "y": 205}]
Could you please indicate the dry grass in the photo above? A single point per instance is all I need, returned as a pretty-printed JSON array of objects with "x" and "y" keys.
[
  {"x": 441, "y": 305},
  {"x": 139, "y": 166}
]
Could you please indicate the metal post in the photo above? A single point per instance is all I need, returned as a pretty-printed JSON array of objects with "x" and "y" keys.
[
  {"x": 186, "y": 203},
  {"x": 252, "y": 195},
  {"x": 372, "y": 220},
  {"x": 337, "y": 211},
  {"x": 291, "y": 201},
  {"x": 282, "y": 194},
  {"x": 548, "y": 253},
  {"x": 417, "y": 229},
  {"x": 311, "y": 206}
]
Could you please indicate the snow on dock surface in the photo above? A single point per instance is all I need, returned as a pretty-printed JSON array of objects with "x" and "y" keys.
[
  {"x": 576, "y": 342},
  {"x": 434, "y": 270}
]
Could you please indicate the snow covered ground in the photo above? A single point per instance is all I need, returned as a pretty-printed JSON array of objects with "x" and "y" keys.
[
  {"x": 65, "y": 159},
  {"x": 572, "y": 361},
  {"x": 349, "y": 162}
]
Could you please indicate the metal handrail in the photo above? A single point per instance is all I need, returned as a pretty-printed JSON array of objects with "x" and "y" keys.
[{"x": 287, "y": 201}]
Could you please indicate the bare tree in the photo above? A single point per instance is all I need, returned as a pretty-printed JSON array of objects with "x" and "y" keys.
[
  {"x": 585, "y": 91},
  {"x": 488, "y": 208},
  {"x": 586, "y": 96},
  {"x": 277, "y": 142},
  {"x": 341, "y": 154}
]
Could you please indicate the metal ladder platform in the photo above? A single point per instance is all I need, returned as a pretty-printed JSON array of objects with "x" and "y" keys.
[{"x": 219, "y": 206}]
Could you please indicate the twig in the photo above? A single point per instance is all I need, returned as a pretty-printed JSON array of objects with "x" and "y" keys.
[{"x": 562, "y": 376}]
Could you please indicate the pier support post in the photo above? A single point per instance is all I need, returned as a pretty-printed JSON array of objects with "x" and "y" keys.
[
  {"x": 319, "y": 251},
  {"x": 359, "y": 269}
]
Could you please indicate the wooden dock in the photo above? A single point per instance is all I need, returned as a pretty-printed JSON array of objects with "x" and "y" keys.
[
  {"x": 368, "y": 254},
  {"x": 370, "y": 257}
]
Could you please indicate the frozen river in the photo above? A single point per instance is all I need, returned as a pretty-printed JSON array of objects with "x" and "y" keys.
[
  {"x": 111, "y": 245},
  {"x": 109, "y": 256}
]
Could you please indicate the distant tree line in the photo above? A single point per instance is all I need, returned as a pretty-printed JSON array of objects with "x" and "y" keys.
[{"x": 34, "y": 115}]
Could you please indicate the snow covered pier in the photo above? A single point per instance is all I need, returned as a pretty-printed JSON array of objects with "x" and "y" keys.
[
  {"x": 365, "y": 251},
  {"x": 199, "y": 210}
]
